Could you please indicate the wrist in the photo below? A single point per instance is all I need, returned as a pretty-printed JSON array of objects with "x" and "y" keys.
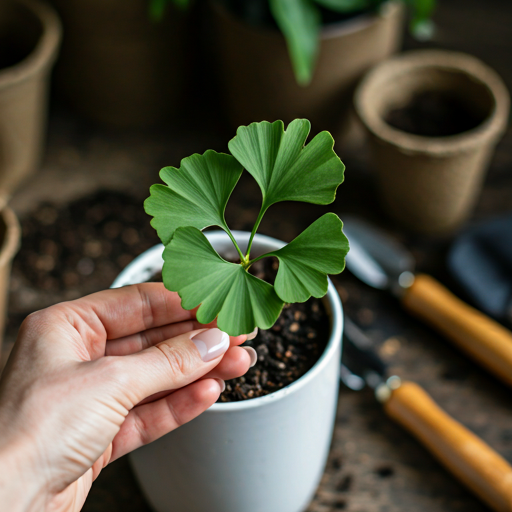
[{"x": 20, "y": 490}]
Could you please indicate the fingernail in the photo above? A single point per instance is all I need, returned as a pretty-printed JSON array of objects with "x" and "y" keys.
[
  {"x": 252, "y": 334},
  {"x": 222, "y": 385},
  {"x": 211, "y": 343},
  {"x": 252, "y": 354}
]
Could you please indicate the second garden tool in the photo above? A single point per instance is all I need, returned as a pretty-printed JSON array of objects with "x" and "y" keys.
[{"x": 469, "y": 458}]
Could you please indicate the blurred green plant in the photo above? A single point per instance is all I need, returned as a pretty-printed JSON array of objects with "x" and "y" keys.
[
  {"x": 195, "y": 197},
  {"x": 300, "y": 22}
]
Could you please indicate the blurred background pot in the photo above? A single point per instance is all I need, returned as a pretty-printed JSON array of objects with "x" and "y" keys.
[
  {"x": 265, "y": 454},
  {"x": 429, "y": 180},
  {"x": 257, "y": 75},
  {"x": 118, "y": 67},
  {"x": 29, "y": 39},
  {"x": 10, "y": 236}
]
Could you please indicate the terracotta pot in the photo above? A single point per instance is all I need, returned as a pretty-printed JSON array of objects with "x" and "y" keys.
[
  {"x": 263, "y": 454},
  {"x": 118, "y": 67},
  {"x": 32, "y": 34},
  {"x": 257, "y": 76},
  {"x": 10, "y": 235},
  {"x": 430, "y": 184}
]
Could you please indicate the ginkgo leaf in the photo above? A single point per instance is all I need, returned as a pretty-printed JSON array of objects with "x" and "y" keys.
[
  {"x": 196, "y": 194},
  {"x": 224, "y": 290},
  {"x": 284, "y": 168},
  {"x": 305, "y": 262}
]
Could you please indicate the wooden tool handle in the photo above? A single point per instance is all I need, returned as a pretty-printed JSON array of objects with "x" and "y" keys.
[
  {"x": 485, "y": 340},
  {"x": 471, "y": 460}
]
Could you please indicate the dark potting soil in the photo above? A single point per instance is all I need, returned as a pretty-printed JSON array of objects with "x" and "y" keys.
[
  {"x": 285, "y": 352},
  {"x": 71, "y": 250},
  {"x": 434, "y": 114}
]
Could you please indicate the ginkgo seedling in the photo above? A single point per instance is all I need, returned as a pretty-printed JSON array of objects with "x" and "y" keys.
[{"x": 195, "y": 196}]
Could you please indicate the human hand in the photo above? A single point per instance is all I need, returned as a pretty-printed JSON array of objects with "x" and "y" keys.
[{"x": 93, "y": 379}]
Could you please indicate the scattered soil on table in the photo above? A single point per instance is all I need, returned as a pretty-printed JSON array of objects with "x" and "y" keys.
[
  {"x": 72, "y": 250},
  {"x": 434, "y": 114}
]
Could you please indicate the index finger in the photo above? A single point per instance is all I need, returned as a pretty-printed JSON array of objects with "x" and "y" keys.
[{"x": 135, "y": 308}]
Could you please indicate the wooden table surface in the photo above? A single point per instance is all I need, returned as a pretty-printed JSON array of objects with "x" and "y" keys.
[{"x": 374, "y": 465}]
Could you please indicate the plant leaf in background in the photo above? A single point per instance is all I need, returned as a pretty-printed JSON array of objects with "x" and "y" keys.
[
  {"x": 305, "y": 262},
  {"x": 225, "y": 290},
  {"x": 196, "y": 194},
  {"x": 345, "y": 6},
  {"x": 421, "y": 25},
  {"x": 284, "y": 168},
  {"x": 299, "y": 21}
]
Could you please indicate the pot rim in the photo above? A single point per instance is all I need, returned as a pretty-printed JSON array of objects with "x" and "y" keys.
[
  {"x": 330, "y": 31},
  {"x": 492, "y": 127},
  {"x": 11, "y": 243},
  {"x": 45, "y": 51},
  {"x": 332, "y": 298}
]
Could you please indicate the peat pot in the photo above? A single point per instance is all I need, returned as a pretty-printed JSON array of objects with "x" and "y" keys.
[
  {"x": 29, "y": 39},
  {"x": 257, "y": 77},
  {"x": 10, "y": 235},
  {"x": 117, "y": 66},
  {"x": 266, "y": 454},
  {"x": 429, "y": 182}
]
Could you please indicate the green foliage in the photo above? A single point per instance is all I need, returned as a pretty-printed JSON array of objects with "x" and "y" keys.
[
  {"x": 195, "y": 196},
  {"x": 300, "y": 22},
  {"x": 195, "y": 270}
]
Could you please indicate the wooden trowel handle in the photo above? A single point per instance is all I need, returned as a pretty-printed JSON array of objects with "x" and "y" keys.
[
  {"x": 485, "y": 340},
  {"x": 471, "y": 460}
]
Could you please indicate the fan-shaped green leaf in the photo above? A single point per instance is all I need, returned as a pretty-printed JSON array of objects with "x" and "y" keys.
[
  {"x": 305, "y": 262},
  {"x": 196, "y": 194},
  {"x": 224, "y": 290},
  {"x": 284, "y": 168}
]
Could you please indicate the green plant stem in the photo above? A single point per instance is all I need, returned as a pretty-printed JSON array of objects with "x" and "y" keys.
[
  {"x": 243, "y": 259},
  {"x": 249, "y": 263},
  {"x": 253, "y": 232}
]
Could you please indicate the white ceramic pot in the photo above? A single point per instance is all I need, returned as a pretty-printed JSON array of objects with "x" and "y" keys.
[{"x": 261, "y": 455}]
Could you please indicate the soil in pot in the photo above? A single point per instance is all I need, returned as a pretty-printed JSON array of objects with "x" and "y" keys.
[{"x": 434, "y": 114}]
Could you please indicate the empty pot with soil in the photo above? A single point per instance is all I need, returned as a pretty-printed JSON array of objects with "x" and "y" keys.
[
  {"x": 29, "y": 39},
  {"x": 433, "y": 119},
  {"x": 264, "y": 445}
]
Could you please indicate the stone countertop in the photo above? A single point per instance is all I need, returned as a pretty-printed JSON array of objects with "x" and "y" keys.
[{"x": 374, "y": 466}]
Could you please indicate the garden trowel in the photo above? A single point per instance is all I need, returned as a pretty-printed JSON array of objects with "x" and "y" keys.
[
  {"x": 482, "y": 470},
  {"x": 384, "y": 264}
]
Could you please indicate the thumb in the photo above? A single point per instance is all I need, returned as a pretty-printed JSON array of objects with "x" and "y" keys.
[{"x": 174, "y": 363}]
